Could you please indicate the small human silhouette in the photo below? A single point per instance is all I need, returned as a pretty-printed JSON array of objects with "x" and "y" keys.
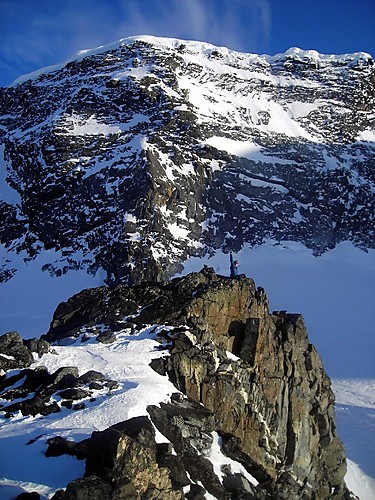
[{"x": 233, "y": 267}]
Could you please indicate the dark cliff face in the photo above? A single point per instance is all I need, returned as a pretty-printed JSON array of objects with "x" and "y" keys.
[
  {"x": 255, "y": 372},
  {"x": 137, "y": 157}
]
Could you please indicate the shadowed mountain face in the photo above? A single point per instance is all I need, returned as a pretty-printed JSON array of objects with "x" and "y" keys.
[{"x": 134, "y": 157}]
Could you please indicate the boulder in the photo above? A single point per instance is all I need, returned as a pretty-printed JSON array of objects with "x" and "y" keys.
[
  {"x": 91, "y": 376},
  {"x": 75, "y": 393},
  {"x": 39, "y": 346},
  {"x": 33, "y": 407},
  {"x": 88, "y": 488},
  {"x": 125, "y": 456},
  {"x": 32, "y": 380},
  {"x": 64, "y": 383},
  {"x": 13, "y": 352},
  {"x": 58, "y": 446},
  {"x": 106, "y": 337}
]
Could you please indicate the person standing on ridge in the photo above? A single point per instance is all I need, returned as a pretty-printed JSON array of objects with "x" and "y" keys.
[{"x": 233, "y": 267}]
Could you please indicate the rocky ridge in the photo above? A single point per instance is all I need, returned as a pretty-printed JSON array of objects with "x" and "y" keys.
[
  {"x": 132, "y": 157},
  {"x": 249, "y": 376}
]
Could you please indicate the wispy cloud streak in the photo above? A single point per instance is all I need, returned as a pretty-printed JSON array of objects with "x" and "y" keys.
[
  {"x": 235, "y": 23},
  {"x": 36, "y": 34}
]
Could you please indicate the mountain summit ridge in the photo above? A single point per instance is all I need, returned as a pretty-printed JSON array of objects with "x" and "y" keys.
[{"x": 169, "y": 42}]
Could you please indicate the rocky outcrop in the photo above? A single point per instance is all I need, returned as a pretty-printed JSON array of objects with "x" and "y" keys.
[
  {"x": 13, "y": 352},
  {"x": 122, "y": 462},
  {"x": 278, "y": 407},
  {"x": 128, "y": 463},
  {"x": 171, "y": 302},
  {"x": 256, "y": 374},
  {"x": 34, "y": 390},
  {"x": 189, "y": 428},
  {"x": 16, "y": 352}
]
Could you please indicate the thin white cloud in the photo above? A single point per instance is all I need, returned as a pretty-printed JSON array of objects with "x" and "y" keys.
[
  {"x": 49, "y": 33},
  {"x": 266, "y": 19},
  {"x": 247, "y": 24},
  {"x": 199, "y": 17},
  {"x": 220, "y": 23}
]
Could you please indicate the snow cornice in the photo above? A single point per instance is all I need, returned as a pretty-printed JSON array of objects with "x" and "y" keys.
[{"x": 205, "y": 48}]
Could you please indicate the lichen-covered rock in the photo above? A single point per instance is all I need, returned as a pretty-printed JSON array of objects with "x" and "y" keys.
[
  {"x": 88, "y": 488},
  {"x": 276, "y": 399}
]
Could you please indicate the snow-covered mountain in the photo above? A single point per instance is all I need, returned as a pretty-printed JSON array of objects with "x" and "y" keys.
[
  {"x": 123, "y": 162},
  {"x": 131, "y": 157}
]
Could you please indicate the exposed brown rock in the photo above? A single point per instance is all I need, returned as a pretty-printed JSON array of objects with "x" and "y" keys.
[
  {"x": 125, "y": 456},
  {"x": 255, "y": 371}
]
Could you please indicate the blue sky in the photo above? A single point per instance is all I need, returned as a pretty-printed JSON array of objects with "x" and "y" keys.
[{"x": 38, "y": 33}]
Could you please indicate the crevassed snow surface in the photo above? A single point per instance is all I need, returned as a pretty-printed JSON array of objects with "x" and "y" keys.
[{"x": 334, "y": 292}]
